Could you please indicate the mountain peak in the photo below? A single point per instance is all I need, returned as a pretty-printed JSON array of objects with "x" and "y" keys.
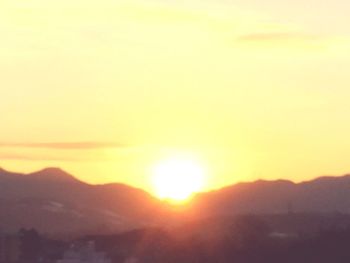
[
  {"x": 53, "y": 173},
  {"x": 52, "y": 170}
]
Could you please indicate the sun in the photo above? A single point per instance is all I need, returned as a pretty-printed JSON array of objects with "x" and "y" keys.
[{"x": 176, "y": 179}]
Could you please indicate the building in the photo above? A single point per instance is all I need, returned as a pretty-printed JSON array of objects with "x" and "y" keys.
[
  {"x": 85, "y": 253},
  {"x": 9, "y": 248}
]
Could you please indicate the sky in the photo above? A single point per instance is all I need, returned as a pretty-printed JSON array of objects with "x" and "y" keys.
[{"x": 106, "y": 89}]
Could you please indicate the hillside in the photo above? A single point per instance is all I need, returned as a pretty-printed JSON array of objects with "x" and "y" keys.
[
  {"x": 322, "y": 195},
  {"x": 54, "y": 202}
]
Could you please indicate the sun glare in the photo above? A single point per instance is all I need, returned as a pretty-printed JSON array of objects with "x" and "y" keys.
[{"x": 177, "y": 179}]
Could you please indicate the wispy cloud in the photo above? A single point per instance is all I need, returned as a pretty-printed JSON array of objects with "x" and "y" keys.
[
  {"x": 286, "y": 40},
  {"x": 27, "y": 157},
  {"x": 276, "y": 36},
  {"x": 65, "y": 145}
]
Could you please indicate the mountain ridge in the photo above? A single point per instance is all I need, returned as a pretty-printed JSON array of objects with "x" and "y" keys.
[
  {"x": 57, "y": 171},
  {"x": 323, "y": 194},
  {"x": 56, "y": 203}
]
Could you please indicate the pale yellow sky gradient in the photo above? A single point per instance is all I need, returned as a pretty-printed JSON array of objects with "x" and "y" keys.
[{"x": 253, "y": 89}]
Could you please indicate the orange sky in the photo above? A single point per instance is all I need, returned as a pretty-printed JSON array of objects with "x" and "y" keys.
[{"x": 253, "y": 89}]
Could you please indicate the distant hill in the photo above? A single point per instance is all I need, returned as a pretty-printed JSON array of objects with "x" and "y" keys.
[
  {"x": 56, "y": 203},
  {"x": 322, "y": 195}
]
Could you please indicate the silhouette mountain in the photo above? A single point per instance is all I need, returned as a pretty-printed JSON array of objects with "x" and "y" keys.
[
  {"x": 56, "y": 203},
  {"x": 322, "y": 195},
  {"x": 53, "y": 174}
]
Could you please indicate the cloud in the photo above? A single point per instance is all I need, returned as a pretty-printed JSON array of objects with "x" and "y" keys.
[
  {"x": 27, "y": 157},
  {"x": 65, "y": 145},
  {"x": 286, "y": 40},
  {"x": 276, "y": 36},
  {"x": 64, "y": 151}
]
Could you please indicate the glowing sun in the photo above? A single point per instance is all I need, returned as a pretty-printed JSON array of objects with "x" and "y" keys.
[{"x": 177, "y": 179}]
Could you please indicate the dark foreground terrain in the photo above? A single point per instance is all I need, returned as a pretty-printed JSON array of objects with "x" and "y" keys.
[
  {"x": 50, "y": 216},
  {"x": 241, "y": 239}
]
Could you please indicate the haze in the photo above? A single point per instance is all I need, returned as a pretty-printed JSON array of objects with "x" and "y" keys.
[{"x": 105, "y": 89}]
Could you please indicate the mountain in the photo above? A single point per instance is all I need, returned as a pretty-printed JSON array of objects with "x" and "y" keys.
[
  {"x": 56, "y": 203},
  {"x": 322, "y": 195}
]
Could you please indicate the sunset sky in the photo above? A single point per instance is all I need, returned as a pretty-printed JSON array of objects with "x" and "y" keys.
[{"x": 106, "y": 89}]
